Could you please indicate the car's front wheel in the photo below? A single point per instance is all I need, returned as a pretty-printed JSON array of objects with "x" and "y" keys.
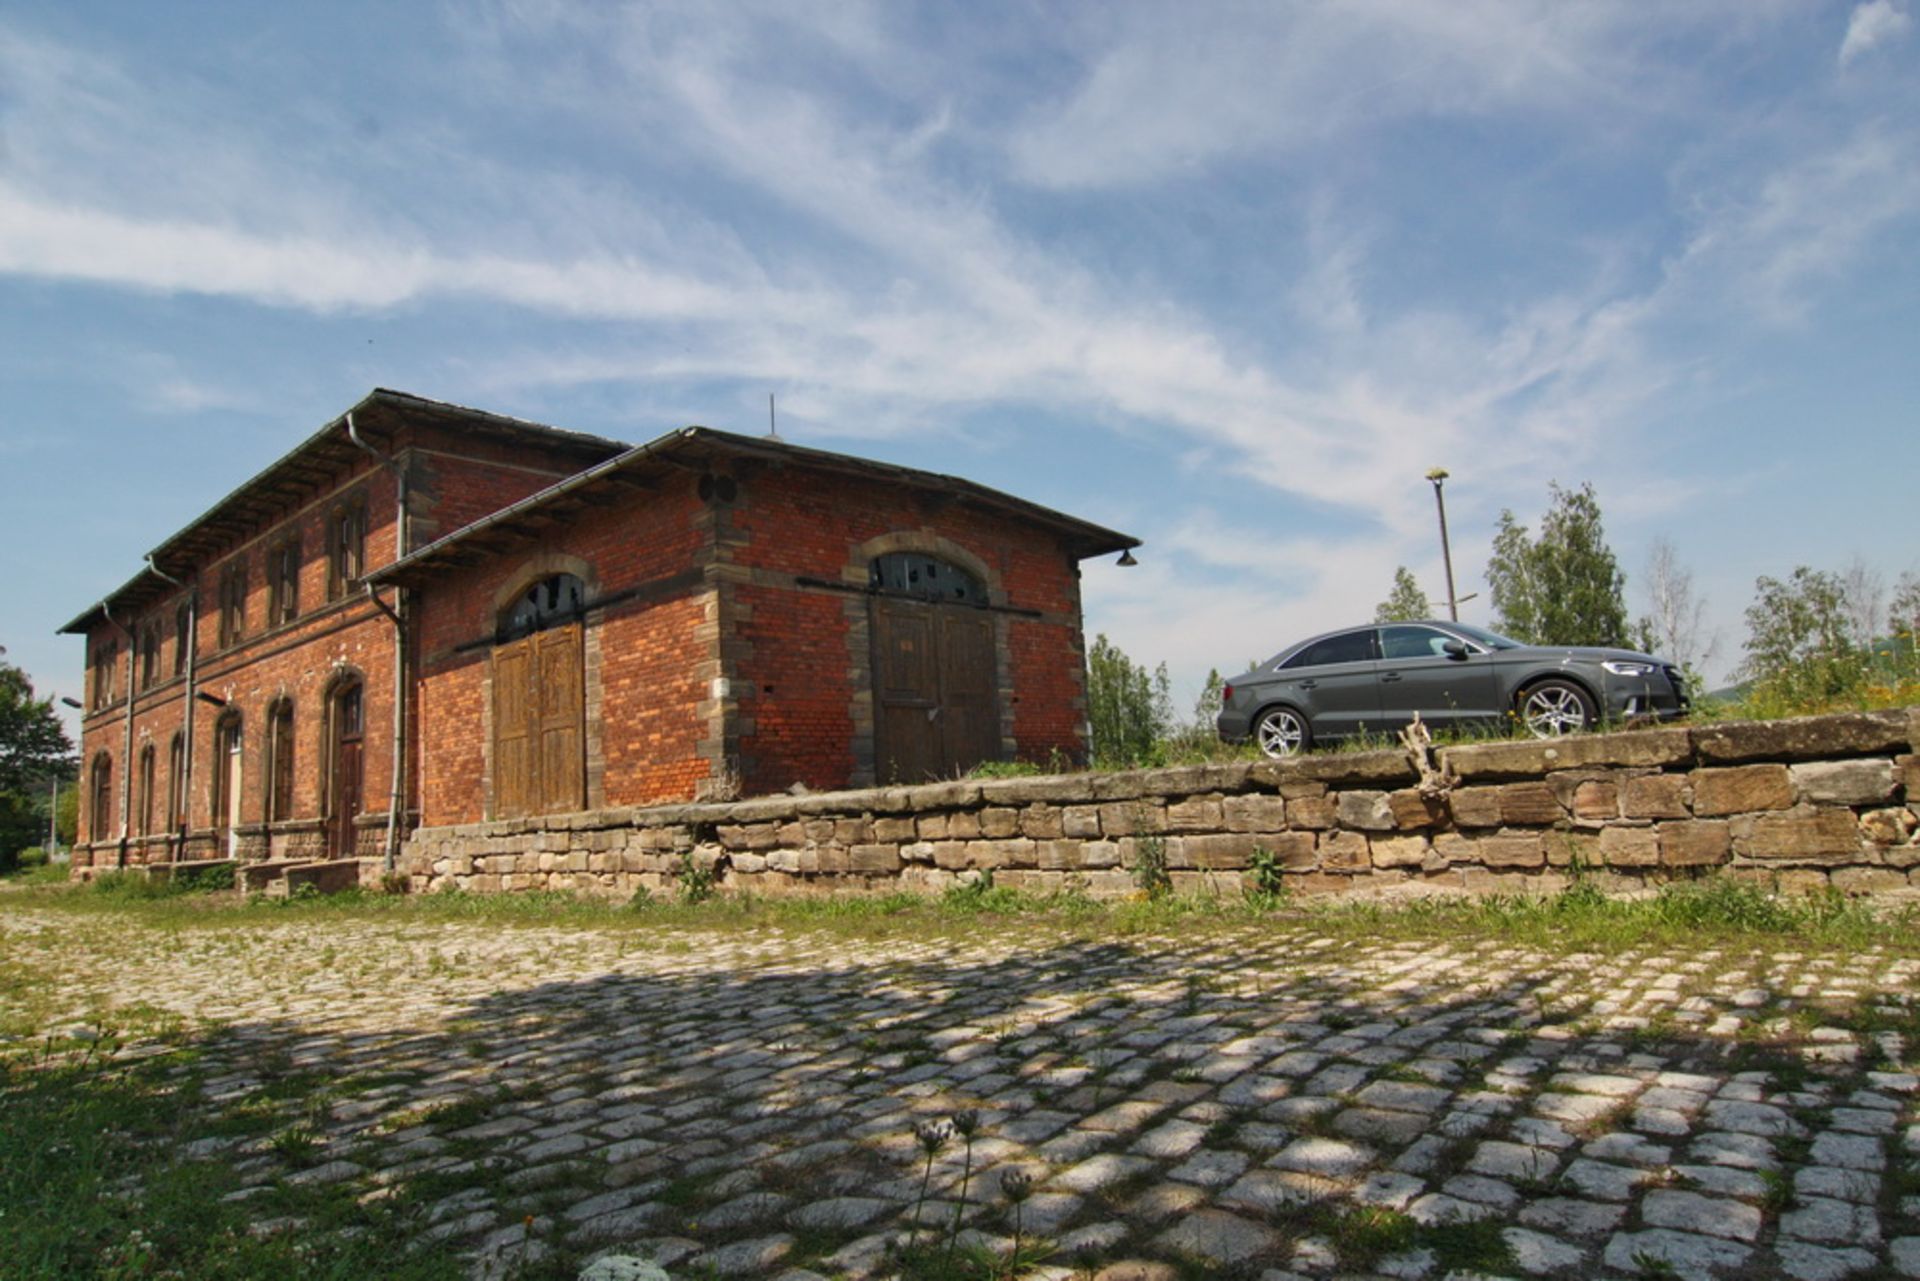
[
  {"x": 1552, "y": 708},
  {"x": 1281, "y": 732}
]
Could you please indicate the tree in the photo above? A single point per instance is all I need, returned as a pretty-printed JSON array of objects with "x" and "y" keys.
[
  {"x": 1563, "y": 588},
  {"x": 1207, "y": 707},
  {"x": 1800, "y": 646},
  {"x": 34, "y": 749},
  {"x": 1903, "y": 611},
  {"x": 1405, "y": 602},
  {"x": 1675, "y": 625},
  {"x": 1903, "y": 618},
  {"x": 1130, "y": 709},
  {"x": 1864, "y": 592}
]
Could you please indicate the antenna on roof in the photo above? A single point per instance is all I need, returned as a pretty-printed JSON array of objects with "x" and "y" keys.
[{"x": 773, "y": 428}]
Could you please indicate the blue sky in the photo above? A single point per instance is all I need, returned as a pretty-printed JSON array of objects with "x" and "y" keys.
[{"x": 1228, "y": 277}]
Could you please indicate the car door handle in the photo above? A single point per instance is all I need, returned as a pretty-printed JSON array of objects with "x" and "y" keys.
[
  {"x": 1390, "y": 676},
  {"x": 1305, "y": 684}
]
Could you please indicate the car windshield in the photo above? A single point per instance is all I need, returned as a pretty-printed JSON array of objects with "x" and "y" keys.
[{"x": 1480, "y": 635}]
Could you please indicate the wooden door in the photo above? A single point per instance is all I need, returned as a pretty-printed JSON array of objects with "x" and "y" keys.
[
  {"x": 348, "y": 781},
  {"x": 969, "y": 692},
  {"x": 559, "y": 696},
  {"x": 906, "y": 687},
  {"x": 539, "y": 724},
  {"x": 937, "y": 706}
]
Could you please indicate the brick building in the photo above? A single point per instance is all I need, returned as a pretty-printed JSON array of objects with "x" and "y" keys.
[{"x": 430, "y": 614}]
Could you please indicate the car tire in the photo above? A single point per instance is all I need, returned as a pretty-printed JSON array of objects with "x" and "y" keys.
[
  {"x": 1552, "y": 708},
  {"x": 1281, "y": 732}
]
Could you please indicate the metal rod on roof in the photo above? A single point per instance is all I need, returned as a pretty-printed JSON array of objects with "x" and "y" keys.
[{"x": 773, "y": 428}]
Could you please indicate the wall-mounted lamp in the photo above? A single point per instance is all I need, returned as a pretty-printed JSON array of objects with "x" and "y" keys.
[
  {"x": 74, "y": 703},
  {"x": 1126, "y": 559},
  {"x": 215, "y": 699}
]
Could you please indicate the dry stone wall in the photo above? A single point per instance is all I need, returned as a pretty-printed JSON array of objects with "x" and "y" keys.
[{"x": 1825, "y": 801}]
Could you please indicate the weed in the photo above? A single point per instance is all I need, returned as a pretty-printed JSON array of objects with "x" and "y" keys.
[
  {"x": 1653, "y": 1266},
  {"x": 696, "y": 879},
  {"x": 1150, "y": 865},
  {"x": 1777, "y": 1193},
  {"x": 1468, "y": 1246}
]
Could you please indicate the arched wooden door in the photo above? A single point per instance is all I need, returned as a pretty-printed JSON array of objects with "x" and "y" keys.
[
  {"x": 936, "y": 695},
  {"x": 346, "y": 778},
  {"x": 539, "y": 703}
]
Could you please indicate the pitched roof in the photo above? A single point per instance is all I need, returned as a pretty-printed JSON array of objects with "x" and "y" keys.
[
  {"x": 696, "y": 448},
  {"x": 309, "y": 466}
]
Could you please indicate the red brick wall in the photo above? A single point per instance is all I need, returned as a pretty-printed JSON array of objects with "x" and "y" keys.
[
  {"x": 650, "y": 660},
  {"x": 649, "y": 683},
  {"x": 299, "y": 660},
  {"x": 794, "y": 688},
  {"x": 810, "y": 524}
]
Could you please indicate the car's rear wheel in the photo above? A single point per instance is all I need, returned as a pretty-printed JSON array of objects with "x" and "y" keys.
[
  {"x": 1551, "y": 708},
  {"x": 1281, "y": 732}
]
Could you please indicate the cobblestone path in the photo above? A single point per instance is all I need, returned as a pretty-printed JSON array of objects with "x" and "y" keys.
[{"x": 1234, "y": 1104}]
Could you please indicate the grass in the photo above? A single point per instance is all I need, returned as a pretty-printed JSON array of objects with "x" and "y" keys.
[
  {"x": 93, "y": 1183},
  {"x": 1711, "y": 910}
]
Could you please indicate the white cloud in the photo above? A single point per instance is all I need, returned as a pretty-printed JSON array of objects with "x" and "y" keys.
[
  {"x": 881, "y": 293},
  {"x": 1164, "y": 95},
  {"x": 1873, "y": 24}
]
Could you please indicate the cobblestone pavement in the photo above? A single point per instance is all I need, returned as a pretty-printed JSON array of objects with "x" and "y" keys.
[{"x": 1232, "y": 1104}]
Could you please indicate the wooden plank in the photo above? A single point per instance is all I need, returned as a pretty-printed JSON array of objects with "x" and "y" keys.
[
  {"x": 513, "y": 730},
  {"x": 562, "y": 711}
]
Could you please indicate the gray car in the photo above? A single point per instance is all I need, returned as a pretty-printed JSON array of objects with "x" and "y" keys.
[{"x": 1375, "y": 678}]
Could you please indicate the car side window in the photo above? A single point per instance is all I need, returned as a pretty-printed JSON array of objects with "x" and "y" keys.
[
  {"x": 1347, "y": 647},
  {"x": 1413, "y": 642}
]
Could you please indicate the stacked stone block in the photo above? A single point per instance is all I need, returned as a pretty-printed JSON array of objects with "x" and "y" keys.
[{"x": 1808, "y": 804}]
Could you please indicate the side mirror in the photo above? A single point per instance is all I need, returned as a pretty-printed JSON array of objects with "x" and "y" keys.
[{"x": 1455, "y": 649}]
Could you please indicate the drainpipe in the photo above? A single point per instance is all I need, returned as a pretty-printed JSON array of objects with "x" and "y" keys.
[
  {"x": 126, "y": 760},
  {"x": 397, "y": 796},
  {"x": 183, "y": 786}
]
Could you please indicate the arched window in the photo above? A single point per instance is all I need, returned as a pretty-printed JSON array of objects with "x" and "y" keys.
[
  {"x": 924, "y": 578},
  {"x": 551, "y": 602},
  {"x": 100, "y": 799},
  {"x": 279, "y": 762},
  {"x": 225, "y": 789},
  {"x": 145, "y": 809}
]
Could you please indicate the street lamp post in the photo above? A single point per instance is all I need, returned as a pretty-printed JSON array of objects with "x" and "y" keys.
[{"x": 1439, "y": 478}]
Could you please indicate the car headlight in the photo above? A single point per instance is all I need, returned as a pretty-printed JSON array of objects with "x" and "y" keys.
[{"x": 1620, "y": 667}]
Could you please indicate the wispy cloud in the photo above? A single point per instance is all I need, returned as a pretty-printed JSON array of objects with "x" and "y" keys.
[
  {"x": 1873, "y": 24},
  {"x": 898, "y": 228}
]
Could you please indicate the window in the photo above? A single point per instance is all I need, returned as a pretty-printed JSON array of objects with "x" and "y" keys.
[
  {"x": 233, "y": 603},
  {"x": 279, "y": 763},
  {"x": 177, "y": 783},
  {"x": 145, "y": 801},
  {"x": 283, "y": 581},
  {"x": 182, "y": 637},
  {"x": 548, "y": 603},
  {"x": 346, "y": 547},
  {"x": 106, "y": 656},
  {"x": 1413, "y": 642},
  {"x": 914, "y": 574},
  {"x": 149, "y": 656},
  {"x": 1348, "y": 647},
  {"x": 100, "y": 799},
  {"x": 225, "y": 792}
]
